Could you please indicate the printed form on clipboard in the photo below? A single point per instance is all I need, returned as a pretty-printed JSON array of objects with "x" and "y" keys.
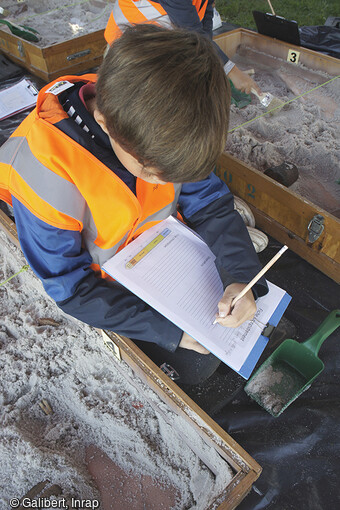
[
  {"x": 17, "y": 98},
  {"x": 173, "y": 270}
]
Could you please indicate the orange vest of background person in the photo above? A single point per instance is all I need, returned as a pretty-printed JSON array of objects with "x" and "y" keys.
[
  {"x": 128, "y": 12},
  {"x": 64, "y": 185}
]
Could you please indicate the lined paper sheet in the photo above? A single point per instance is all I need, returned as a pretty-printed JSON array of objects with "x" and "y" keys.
[{"x": 173, "y": 270}]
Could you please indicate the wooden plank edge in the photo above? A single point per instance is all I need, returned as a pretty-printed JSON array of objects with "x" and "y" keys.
[
  {"x": 53, "y": 48},
  {"x": 9, "y": 47},
  {"x": 235, "y": 493},
  {"x": 245, "y": 171},
  {"x": 311, "y": 253},
  {"x": 320, "y": 261},
  {"x": 177, "y": 399},
  {"x": 246, "y": 468},
  {"x": 246, "y": 36},
  {"x": 241, "y": 482},
  {"x": 8, "y": 226}
]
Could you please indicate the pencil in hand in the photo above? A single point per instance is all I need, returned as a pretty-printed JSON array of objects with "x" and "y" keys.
[{"x": 257, "y": 277}]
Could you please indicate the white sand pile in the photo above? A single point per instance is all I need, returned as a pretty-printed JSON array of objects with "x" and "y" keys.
[
  {"x": 306, "y": 132},
  {"x": 59, "y": 20},
  {"x": 46, "y": 355}
]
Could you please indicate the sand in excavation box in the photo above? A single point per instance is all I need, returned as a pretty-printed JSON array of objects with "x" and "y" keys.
[
  {"x": 305, "y": 133},
  {"x": 232, "y": 471},
  {"x": 71, "y": 35}
]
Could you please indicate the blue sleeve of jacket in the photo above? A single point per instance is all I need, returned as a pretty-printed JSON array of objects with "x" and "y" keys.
[
  {"x": 208, "y": 208},
  {"x": 183, "y": 14},
  {"x": 58, "y": 259},
  {"x": 196, "y": 195}
]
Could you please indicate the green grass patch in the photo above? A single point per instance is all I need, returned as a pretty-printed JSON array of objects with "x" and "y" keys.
[{"x": 305, "y": 12}]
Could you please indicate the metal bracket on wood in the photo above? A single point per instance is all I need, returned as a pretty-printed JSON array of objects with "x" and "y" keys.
[
  {"x": 315, "y": 228},
  {"x": 109, "y": 343},
  {"x": 268, "y": 330},
  {"x": 79, "y": 54},
  {"x": 21, "y": 49}
]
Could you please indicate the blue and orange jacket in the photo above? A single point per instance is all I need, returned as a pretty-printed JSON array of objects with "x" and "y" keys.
[
  {"x": 42, "y": 154},
  {"x": 73, "y": 212},
  {"x": 189, "y": 14},
  {"x": 128, "y": 12}
]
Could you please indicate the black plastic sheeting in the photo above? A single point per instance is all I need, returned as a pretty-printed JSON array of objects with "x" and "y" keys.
[
  {"x": 300, "y": 450},
  {"x": 321, "y": 38}
]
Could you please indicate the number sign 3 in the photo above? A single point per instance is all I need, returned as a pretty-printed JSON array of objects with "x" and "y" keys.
[{"x": 293, "y": 56}]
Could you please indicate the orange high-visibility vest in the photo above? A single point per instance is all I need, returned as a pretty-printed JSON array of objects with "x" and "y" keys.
[
  {"x": 128, "y": 12},
  {"x": 66, "y": 186}
]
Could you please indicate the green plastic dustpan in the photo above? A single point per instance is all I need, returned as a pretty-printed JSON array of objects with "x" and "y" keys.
[{"x": 290, "y": 369}]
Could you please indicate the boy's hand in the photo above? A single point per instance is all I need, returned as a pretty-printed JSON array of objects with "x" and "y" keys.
[
  {"x": 243, "y": 81},
  {"x": 188, "y": 342},
  {"x": 243, "y": 310}
]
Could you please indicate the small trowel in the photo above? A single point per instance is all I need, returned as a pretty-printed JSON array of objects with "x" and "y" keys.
[
  {"x": 23, "y": 31},
  {"x": 290, "y": 369}
]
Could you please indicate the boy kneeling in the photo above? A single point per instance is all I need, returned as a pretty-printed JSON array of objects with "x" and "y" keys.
[{"x": 102, "y": 158}]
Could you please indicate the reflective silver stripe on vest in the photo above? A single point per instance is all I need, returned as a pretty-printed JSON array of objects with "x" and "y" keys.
[
  {"x": 64, "y": 196},
  {"x": 8, "y": 149},
  {"x": 89, "y": 235},
  {"x": 148, "y": 11},
  {"x": 55, "y": 190},
  {"x": 100, "y": 255},
  {"x": 118, "y": 15},
  {"x": 164, "y": 21},
  {"x": 166, "y": 211}
]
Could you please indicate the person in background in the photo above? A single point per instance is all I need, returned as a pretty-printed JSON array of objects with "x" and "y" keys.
[
  {"x": 194, "y": 15},
  {"x": 104, "y": 157}
]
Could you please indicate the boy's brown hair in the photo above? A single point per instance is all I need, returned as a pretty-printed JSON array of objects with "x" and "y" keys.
[{"x": 166, "y": 99}]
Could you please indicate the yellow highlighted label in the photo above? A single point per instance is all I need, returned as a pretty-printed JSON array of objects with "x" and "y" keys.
[{"x": 147, "y": 249}]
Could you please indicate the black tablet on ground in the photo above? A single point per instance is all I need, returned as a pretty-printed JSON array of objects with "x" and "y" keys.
[{"x": 277, "y": 27}]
